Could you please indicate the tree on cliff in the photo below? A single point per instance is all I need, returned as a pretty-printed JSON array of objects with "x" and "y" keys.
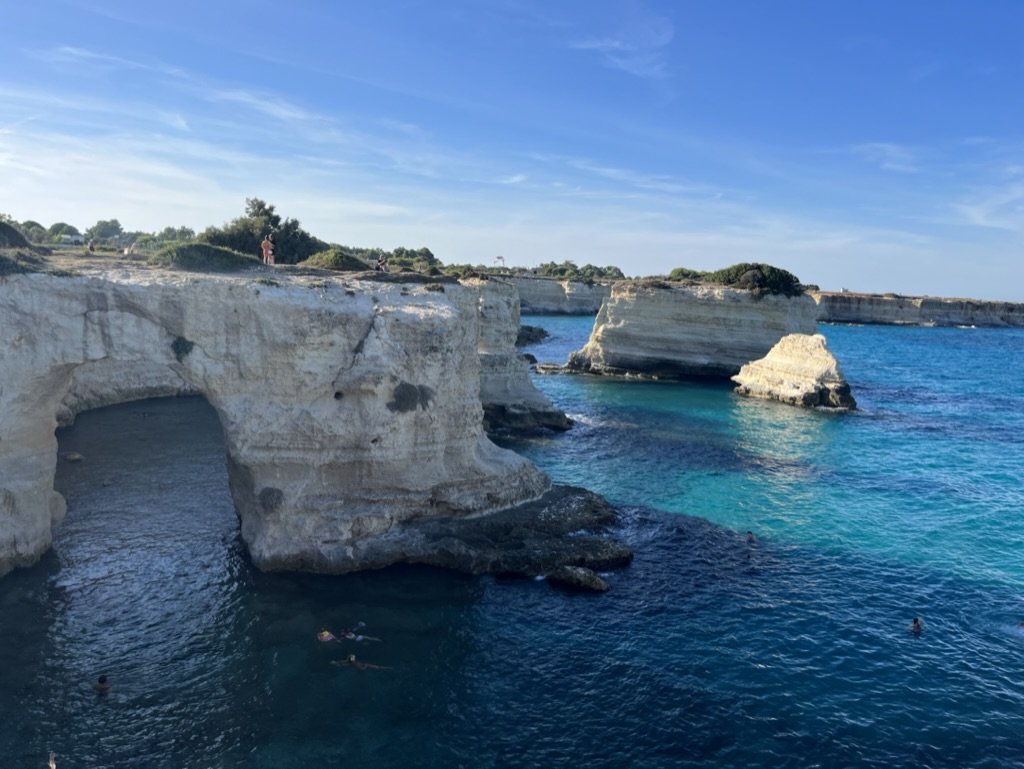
[
  {"x": 244, "y": 234},
  {"x": 61, "y": 228},
  {"x": 34, "y": 231},
  {"x": 105, "y": 231}
]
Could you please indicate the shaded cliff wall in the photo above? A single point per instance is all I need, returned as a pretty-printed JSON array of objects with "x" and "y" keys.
[
  {"x": 509, "y": 398},
  {"x": 348, "y": 408},
  {"x": 685, "y": 331},
  {"x": 892, "y": 309},
  {"x": 544, "y": 296}
]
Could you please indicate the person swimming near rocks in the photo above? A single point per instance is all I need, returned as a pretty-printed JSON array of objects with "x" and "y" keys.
[
  {"x": 351, "y": 662},
  {"x": 102, "y": 686},
  {"x": 916, "y": 627}
]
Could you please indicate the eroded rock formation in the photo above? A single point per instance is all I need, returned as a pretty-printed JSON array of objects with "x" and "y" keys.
[
  {"x": 893, "y": 309},
  {"x": 672, "y": 331},
  {"x": 799, "y": 370},
  {"x": 349, "y": 408},
  {"x": 546, "y": 296},
  {"x": 510, "y": 400}
]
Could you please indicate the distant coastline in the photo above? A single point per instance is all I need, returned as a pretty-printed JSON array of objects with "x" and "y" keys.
[{"x": 898, "y": 310}]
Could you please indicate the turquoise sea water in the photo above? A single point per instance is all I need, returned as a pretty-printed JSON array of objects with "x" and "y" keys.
[{"x": 791, "y": 651}]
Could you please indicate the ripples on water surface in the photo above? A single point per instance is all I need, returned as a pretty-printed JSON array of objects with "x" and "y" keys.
[{"x": 790, "y": 651}]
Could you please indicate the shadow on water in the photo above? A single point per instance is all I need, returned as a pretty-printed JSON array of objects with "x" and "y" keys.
[{"x": 211, "y": 662}]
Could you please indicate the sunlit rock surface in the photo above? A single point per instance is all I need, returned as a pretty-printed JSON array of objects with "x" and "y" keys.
[
  {"x": 800, "y": 370},
  {"x": 893, "y": 309},
  {"x": 510, "y": 400},
  {"x": 349, "y": 407},
  {"x": 546, "y": 296},
  {"x": 676, "y": 331}
]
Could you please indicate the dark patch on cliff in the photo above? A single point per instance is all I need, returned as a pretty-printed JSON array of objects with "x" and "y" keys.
[
  {"x": 181, "y": 347},
  {"x": 406, "y": 397},
  {"x": 270, "y": 498}
]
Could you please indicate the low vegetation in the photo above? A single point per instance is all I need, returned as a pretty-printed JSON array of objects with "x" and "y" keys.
[
  {"x": 15, "y": 261},
  {"x": 236, "y": 245},
  {"x": 753, "y": 276},
  {"x": 335, "y": 258},
  {"x": 202, "y": 257}
]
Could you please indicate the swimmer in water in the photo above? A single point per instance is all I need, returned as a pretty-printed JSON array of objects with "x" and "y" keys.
[
  {"x": 101, "y": 686},
  {"x": 351, "y": 662},
  {"x": 916, "y": 627},
  {"x": 352, "y": 635},
  {"x": 750, "y": 536},
  {"x": 326, "y": 636}
]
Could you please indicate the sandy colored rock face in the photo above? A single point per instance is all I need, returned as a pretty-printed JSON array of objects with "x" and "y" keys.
[
  {"x": 543, "y": 296},
  {"x": 688, "y": 331},
  {"x": 847, "y": 307},
  {"x": 799, "y": 370},
  {"x": 509, "y": 398},
  {"x": 348, "y": 407}
]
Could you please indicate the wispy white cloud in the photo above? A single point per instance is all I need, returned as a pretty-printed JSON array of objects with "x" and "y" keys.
[
  {"x": 888, "y": 156},
  {"x": 1000, "y": 208},
  {"x": 268, "y": 104},
  {"x": 640, "y": 48},
  {"x": 79, "y": 57}
]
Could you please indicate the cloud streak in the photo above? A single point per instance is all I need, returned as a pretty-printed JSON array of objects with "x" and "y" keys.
[{"x": 639, "y": 48}]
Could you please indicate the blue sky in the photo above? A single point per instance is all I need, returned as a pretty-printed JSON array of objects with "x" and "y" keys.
[{"x": 876, "y": 146}]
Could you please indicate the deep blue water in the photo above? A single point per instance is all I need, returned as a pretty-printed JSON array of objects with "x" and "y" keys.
[{"x": 791, "y": 651}]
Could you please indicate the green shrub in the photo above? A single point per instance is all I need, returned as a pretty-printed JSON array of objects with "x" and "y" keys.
[
  {"x": 685, "y": 273},
  {"x": 11, "y": 237},
  {"x": 763, "y": 278},
  {"x": 201, "y": 257},
  {"x": 335, "y": 259}
]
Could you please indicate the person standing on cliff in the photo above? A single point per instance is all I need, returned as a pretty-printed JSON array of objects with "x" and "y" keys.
[{"x": 268, "y": 249}]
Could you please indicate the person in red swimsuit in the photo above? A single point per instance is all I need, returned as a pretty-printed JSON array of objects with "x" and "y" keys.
[{"x": 268, "y": 249}]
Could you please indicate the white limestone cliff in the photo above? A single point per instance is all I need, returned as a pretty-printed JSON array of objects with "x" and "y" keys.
[
  {"x": 799, "y": 370},
  {"x": 509, "y": 398},
  {"x": 673, "y": 330},
  {"x": 547, "y": 296},
  {"x": 894, "y": 309},
  {"x": 349, "y": 408}
]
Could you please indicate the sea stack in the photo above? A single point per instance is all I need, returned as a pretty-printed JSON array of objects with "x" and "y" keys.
[
  {"x": 666, "y": 330},
  {"x": 799, "y": 370},
  {"x": 509, "y": 398}
]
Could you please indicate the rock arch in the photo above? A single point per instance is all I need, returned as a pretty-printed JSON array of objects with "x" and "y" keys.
[{"x": 303, "y": 374}]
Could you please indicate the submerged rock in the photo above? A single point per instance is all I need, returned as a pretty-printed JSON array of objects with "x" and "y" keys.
[
  {"x": 530, "y": 335},
  {"x": 579, "y": 577},
  {"x": 799, "y": 370}
]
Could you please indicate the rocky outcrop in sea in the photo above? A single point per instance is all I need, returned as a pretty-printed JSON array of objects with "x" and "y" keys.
[
  {"x": 799, "y": 370},
  {"x": 666, "y": 330},
  {"x": 350, "y": 406}
]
